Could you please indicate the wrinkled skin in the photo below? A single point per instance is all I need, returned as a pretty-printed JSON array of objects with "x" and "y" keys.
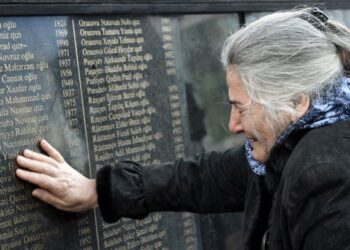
[{"x": 57, "y": 183}]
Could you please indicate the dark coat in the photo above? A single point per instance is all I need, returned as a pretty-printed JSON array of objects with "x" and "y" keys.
[{"x": 303, "y": 201}]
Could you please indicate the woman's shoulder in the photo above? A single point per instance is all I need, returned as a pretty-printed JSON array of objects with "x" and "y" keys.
[{"x": 323, "y": 150}]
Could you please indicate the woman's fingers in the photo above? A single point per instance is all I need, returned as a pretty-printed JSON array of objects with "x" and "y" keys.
[
  {"x": 57, "y": 183},
  {"x": 39, "y": 157},
  {"x": 51, "y": 151},
  {"x": 36, "y": 166},
  {"x": 42, "y": 180}
]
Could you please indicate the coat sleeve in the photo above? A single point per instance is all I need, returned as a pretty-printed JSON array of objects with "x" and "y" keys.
[
  {"x": 318, "y": 208},
  {"x": 207, "y": 183}
]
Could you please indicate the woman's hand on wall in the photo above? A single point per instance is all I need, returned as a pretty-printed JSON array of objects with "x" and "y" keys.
[{"x": 57, "y": 182}]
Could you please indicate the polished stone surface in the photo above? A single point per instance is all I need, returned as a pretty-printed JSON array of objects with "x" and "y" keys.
[{"x": 102, "y": 89}]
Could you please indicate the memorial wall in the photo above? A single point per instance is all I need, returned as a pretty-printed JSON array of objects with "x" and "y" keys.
[
  {"x": 101, "y": 89},
  {"x": 106, "y": 88}
]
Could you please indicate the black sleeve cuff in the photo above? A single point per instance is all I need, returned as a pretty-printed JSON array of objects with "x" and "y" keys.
[{"x": 120, "y": 191}]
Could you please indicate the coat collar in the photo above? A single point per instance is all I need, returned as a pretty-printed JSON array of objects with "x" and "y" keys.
[{"x": 278, "y": 159}]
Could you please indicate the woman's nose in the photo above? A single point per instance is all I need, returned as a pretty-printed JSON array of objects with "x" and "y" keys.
[{"x": 235, "y": 125}]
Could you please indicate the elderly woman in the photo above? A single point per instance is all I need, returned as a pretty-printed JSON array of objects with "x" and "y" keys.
[{"x": 286, "y": 78}]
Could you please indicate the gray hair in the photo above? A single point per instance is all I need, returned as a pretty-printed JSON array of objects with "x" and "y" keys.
[{"x": 281, "y": 57}]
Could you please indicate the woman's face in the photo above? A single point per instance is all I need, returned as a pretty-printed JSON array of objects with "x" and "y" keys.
[{"x": 250, "y": 121}]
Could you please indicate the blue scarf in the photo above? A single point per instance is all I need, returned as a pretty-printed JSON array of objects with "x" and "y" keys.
[{"x": 333, "y": 106}]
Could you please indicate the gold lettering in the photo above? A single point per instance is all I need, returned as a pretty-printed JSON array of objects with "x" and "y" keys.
[
  {"x": 110, "y": 32},
  {"x": 107, "y": 22},
  {"x": 21, "y": 99},
  {"x": 96, "y": 110},
  {"x": 84, "y": 33},
  {"x": 85, "y": 42},
  {"x": 98, "y": 119},
  {"x": 102, "y": 128},
  {"x": 13, "y": 67},
  {"x": 104, "y": 147},
  {"x": 92, "y": 52},
  {"x": 84, "y": 23}
]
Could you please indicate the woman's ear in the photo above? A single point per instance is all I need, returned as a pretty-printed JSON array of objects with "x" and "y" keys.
[{"x": 302, "y": 105}]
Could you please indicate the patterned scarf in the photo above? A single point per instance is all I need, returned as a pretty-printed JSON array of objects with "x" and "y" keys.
[{"x": 333, "y": 106}]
